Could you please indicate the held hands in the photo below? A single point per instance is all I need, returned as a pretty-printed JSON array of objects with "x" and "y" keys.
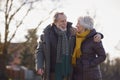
[
  {"x": 40, "y": 72},
  {"x": 97, "y": 37}
]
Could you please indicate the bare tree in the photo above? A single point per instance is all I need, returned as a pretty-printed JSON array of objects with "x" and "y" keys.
[
  {"x": 29, "y": 50},
  {"x": 10, "y": 10}
]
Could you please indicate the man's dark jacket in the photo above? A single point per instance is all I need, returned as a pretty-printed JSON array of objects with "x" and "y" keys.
[{"x": 48, "y": 48}]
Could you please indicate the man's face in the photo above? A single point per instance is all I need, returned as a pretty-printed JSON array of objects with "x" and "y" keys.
[{"x": 61, "y": 22}]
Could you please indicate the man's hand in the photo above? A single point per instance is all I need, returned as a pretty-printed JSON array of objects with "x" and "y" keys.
[
  {"x": 97, "y": 37},
  {"x": 40, "y": 72}
]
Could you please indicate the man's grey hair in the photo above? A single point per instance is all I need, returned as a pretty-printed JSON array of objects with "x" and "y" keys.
[
  {"x": 87, "y": 22},
  {"x": 55, "y": 18}
]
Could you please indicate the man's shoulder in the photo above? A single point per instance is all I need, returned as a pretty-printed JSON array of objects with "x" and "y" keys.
[
  {"x": 69, "y": 24},
  {"x": 47, "y": 28}
]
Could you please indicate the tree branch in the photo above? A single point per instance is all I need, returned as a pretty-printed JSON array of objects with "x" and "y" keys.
[
  {"x": 16, "y": 12},
  {"x": 20, "y": 22},
  {"x": 45, "y": 18},
  {"x": 24, "y": 3},
  {"x": 11, "y": 4},
  {"x": 6, "y": 24}
]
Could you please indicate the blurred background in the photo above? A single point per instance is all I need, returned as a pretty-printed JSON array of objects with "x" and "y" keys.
[{"x": 22, "y": 22}]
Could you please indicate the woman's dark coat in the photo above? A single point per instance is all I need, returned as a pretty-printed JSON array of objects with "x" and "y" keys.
[{"x": 87, "y": 66}]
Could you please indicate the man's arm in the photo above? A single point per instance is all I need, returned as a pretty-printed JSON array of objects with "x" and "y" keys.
[
  {"x": 40, "y": 58},
  {"x": 98, "y": 37}
]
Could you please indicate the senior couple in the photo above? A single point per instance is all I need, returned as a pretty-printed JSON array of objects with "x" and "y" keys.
[{"x": 67, "y": 53}]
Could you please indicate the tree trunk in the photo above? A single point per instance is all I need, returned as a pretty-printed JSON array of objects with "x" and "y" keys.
[
  {"x": 3, "y": 74},
  {"x": 3, "y": 58}
]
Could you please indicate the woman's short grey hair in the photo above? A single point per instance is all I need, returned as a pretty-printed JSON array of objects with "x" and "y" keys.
[{"x": 86, "y": 22}]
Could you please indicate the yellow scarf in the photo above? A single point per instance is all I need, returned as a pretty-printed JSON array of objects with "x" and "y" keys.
[{"x": 79, "y": 39}]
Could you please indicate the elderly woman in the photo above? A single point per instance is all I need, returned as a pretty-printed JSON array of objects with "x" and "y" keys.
[{"x": 87, "y": 54}]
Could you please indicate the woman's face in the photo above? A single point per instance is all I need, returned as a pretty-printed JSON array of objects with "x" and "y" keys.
[{"x": 80, "y": 28}]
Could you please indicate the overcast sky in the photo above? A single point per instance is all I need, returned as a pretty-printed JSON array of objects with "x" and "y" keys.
[{"x": 107, "y": 19}]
